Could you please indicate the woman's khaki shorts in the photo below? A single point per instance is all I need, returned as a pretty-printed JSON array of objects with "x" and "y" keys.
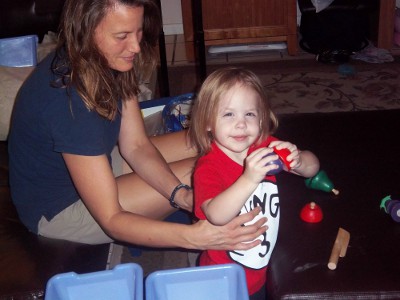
[{"x": 75, "y": 224}]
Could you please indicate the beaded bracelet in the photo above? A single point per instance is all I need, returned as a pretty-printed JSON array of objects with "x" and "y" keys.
[{"x": 176, "y": 189}]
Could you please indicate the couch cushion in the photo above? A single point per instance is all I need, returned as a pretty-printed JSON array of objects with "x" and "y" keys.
[{"x": 11, "y": 80}]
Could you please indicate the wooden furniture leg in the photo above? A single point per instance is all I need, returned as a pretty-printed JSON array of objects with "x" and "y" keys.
[
  {"x": 199, "y": 44},
  {"x": 386, "y": 23},
  {"x": 164, "y": 82}
]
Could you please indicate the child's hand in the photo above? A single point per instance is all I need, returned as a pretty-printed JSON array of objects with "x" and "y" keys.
[
  {"x": 256, "y": 164},
  {"x": 293, "y": 157}
]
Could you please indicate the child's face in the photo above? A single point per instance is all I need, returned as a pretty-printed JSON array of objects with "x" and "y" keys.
[{"x": 237, "y": 125}]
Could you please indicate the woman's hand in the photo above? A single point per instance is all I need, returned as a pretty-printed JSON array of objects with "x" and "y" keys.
[
  {"x": 232, "y": 236},
  {"x": 184, "y": 199}
]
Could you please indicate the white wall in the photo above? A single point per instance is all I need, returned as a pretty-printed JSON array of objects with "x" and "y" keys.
[{"x": 172, "y": 16}]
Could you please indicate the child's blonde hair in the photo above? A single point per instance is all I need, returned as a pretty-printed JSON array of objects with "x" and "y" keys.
[{"x": 205, "y": 106}]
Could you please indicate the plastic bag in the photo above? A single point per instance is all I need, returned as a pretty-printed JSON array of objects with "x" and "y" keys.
[
  {"x": 176, "y": 114},
  {"x": 334, "y": 34},
  {"x": 321, "y": 4}
]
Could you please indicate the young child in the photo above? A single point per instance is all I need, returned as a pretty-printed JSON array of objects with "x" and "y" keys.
[{"x": 231, "y": 125}]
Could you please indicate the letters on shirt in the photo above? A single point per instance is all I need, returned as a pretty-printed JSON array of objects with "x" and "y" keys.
[{"x": 266, "y": 196}]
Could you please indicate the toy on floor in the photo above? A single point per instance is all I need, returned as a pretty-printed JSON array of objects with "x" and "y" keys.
[
  {"x": 280, "y": 162},
  {"x": 311, "y": 213},
  {"x": 346, "y": 70},
  {"x": 391, "y": 207},
  {"x": 321, "y": 182},
  {"x": 339, "y": 248}
]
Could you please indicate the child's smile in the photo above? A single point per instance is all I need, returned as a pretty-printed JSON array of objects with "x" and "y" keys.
[{"x": 238, "y": 122}]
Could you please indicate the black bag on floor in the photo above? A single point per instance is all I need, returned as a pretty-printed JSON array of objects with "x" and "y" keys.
[{"x": 334, "y": 34}]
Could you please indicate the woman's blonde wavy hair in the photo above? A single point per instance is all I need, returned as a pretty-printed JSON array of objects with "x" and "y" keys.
[
  {"x": 205, "y": 106},
  {"x": 79, "y": 63}
]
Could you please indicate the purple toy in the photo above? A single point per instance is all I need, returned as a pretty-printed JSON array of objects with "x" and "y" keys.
[
  {"x": 277, "y": 162},
  {"x": 391, "y": 207}
]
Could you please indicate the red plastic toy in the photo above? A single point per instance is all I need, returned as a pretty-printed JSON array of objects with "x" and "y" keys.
[
  {"x": 283, "y": 154},
  {"x": 311, "y": 213},
  {"x": 280, "y": 162}
]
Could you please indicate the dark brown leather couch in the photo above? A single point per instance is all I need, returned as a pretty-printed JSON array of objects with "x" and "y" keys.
[
  {"x": 26, "y": 260},
  {"x": 25, "y": 17}
]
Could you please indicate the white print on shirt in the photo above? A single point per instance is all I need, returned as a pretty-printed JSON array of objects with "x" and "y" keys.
[{"x": 266, "y": 196}]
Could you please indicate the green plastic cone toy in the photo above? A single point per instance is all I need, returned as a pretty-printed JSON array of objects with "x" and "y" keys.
[{"x": 321, "y": 182}]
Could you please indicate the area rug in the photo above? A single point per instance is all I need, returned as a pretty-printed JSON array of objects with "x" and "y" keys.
[
  {"x": 306, "y": 86},
  {"x": 309, "y": 92}
]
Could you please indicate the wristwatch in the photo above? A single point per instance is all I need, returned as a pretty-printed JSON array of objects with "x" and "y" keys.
[{"x": 176, "y": 189}]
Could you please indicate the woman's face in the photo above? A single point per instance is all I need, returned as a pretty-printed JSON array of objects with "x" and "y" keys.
[{"x": 119, "y": 34}]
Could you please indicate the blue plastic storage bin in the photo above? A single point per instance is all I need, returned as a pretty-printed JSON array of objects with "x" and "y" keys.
[
  {"x": 124, "y": 282},
  {"x": 219, "y": 282},
  {"x": 19, "y": 51}
]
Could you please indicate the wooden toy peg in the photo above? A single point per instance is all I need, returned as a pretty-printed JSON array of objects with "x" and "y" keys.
[{"x": 339, "y": 248}]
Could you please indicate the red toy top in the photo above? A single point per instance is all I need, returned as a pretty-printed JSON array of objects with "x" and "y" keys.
[
  {"x": 283, "y": 154},
  {"x": 311, "y": 213}
]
